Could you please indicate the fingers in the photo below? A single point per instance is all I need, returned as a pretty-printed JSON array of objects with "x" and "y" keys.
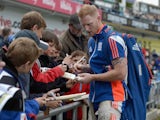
[
  {"x": 54, "y": 104},
  {"x": 41, "y": 101},
  {"x": 67, "y": 60},
  {"x": 57, "y": 94},
  {"x": 63, "y": 67},
  {"x": 79, "y": 79},
  {"x": 2, "y": 64},
  {"x": 50, "y": 99},
  {"x": 55, "y": 90},
  {"x": 78, "y": 67},
  {"x": 83, "y": 78},
  {"x": 49, "y": 102}
]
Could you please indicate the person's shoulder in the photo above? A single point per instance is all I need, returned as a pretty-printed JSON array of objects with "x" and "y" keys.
[
  {"x": 91, "y": 40},
  {"x": 85, "y": 37},
  {"x": 115, "y": 37},
  {"x": 63, "y": 35},
  {"x": 7, "y": 78}
]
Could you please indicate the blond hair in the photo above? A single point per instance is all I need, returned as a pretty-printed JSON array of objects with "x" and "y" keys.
[
  {"x": 22, "y": 50},
  {"x": 88, "y": 10}
]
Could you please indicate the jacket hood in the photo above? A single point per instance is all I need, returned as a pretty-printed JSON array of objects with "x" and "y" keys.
[{"x": 30, "y": 34}]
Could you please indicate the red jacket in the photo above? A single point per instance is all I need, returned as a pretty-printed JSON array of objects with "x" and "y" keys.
[
  {"x": 77, "y": 88},
  {"x": 48, "y": 76}
]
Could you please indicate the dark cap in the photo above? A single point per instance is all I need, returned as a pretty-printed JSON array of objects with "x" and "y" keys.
[{"x": 74, "y": 20}]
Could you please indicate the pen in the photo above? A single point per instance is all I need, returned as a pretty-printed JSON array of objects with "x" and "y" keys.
[
  {"x": 67, "y": 54},
  {"x": 54, "y": 96},
  {"x": 82, "y": 58}
]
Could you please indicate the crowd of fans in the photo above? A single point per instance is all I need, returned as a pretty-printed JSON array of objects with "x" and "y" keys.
[
  {"x": 46, "y": 72},
  {"x": 153, "y": 60},
  {"x": 128, "y": 13},
  {"x": 59, "y": 55}
]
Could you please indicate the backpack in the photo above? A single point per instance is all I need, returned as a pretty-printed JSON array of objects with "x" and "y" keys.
[{"x": 138, "y": 80}]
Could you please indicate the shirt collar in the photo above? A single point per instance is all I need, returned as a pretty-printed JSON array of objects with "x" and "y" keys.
[{"x": 100, "y": 28}]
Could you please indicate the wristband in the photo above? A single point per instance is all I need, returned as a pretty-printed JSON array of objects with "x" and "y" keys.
[{"x": 67, "y": 66}]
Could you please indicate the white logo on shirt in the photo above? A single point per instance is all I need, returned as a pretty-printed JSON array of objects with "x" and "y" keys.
[
  {"x": 99, "y": 46},
  {"x": 90, "y": 49},
  {"x": 135, "y": 47}
]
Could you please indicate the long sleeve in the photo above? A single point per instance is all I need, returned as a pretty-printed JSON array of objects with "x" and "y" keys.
[
  {"x": 48, "y": 76},
  {"x": 31, "y": 109}
]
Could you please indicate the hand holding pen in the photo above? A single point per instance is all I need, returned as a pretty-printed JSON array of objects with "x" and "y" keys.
[{"x": 51, "y": 100}]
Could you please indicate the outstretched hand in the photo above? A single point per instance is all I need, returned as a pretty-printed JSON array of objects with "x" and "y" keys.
[
  {"x": 84, "y": 78},
  {"x": 51, "y": 101},
  {"x": 67, "y": 60}
]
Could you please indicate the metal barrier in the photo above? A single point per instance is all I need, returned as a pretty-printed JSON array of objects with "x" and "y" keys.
[
  {"x": 154, "y": 97},
  {"x": 153, "y": 102},
  {"x": 58, "y": 112}
]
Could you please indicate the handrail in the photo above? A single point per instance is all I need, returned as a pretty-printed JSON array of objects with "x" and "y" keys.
[
  {"x": 153, "y": 102},
  {"x": 58, "y": 112},
  {"x": 154, "y": 98}
]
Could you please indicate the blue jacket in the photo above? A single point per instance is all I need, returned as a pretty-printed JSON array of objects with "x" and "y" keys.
[
  {"x": 103, "y": 50},
  {"x": 31, "y": 110},
  {"x": 17, "y": 107}
]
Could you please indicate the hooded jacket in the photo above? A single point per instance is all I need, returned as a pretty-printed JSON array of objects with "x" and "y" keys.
[{"x": 16, "y": 107}]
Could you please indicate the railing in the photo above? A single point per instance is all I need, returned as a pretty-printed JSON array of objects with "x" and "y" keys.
[
  {"x": 58, "y": 112},
  {"x": 153, "y": 102},
  {"x": 154, "y": 97}
]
